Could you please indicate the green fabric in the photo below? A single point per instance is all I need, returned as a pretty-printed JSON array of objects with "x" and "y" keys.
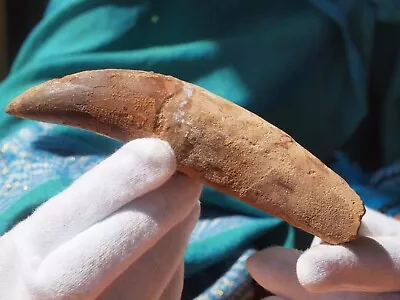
[
  {"x": 295, "y": 63},
  {"x": 202, "y": 255},
  {"x": 286, "y": 61},
  {"x": 323, "y": 71},
  {"x": 30, "y": 201},
  {"x": 298, "y": 64}
]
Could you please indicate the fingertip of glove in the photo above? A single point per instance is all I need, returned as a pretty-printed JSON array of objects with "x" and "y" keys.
[
  {"x": 156, "y": 151},
  {"x": 258, "y": 259},
  {"x": 254, "y": 264},
  {"x": 270, "y": 254},
  {"x": 315, "y": 266},
  {"x": 266, "y": 262}
]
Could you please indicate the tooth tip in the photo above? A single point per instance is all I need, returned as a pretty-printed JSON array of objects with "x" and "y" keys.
[
  {"x": 17, "y": 107},
  {"x": 11, "y": 109}
]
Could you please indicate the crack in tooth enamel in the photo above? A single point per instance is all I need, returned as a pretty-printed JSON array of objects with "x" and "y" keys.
[{"x": 180, "y": 113}]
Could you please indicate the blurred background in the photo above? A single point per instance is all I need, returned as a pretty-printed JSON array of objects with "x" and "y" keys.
[{"x": 17, "y": 18}]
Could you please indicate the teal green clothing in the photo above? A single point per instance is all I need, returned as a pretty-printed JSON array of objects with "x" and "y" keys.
[
  {"x": 303, "y": 65},
  {"x": 327, "y": 72}
]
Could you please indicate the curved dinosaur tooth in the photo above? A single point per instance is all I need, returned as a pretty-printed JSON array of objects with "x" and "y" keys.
[
  {"x": 116, "y": 103},
  {"x": 216, "y": 142}
]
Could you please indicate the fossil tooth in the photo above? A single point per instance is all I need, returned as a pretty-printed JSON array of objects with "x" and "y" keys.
[{"x": 216, "y": 142}]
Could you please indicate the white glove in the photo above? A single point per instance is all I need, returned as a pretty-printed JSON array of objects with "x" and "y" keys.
[
  {"x": 367, "y": 268},
  {"x": 118, "y": 232}
]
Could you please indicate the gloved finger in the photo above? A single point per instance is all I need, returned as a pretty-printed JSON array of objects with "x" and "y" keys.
[
  {"x": 316, "y": 241},
  {"x": 158, "y": 271},
  {"x": 275, "y": 270},
  {"x": 10, "y": 270},
  {"x": 93, "y": 259},
  {"x": 365, "y": 264},
  {"x": 135, "y": 169},
  {"x": 375, "y": 224},
  {"x": 174, "y": 289}
]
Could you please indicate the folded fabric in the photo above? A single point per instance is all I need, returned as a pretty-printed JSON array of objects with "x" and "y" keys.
[{"x": 306, "y": 66}]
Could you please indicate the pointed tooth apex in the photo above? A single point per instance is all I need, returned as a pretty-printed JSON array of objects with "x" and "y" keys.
[{"x": 12, "y": 108}]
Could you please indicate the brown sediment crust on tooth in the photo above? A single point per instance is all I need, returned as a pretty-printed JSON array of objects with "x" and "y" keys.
[{"x": 215, "y": 141}]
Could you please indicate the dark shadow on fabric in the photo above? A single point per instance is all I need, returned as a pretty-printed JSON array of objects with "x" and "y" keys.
[
  {"x": 197, "y": 283},
  {"x": 80, "y": 143},
  {"x": 22, "y": 16},
  {"x": 369, "y": 134}
]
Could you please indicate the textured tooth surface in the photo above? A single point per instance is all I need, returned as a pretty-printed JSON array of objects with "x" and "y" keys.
[{"x": 216, "y": 142}]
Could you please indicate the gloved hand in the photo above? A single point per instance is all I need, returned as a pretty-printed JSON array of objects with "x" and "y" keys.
[
  {"x": 365, "y": 269},
  {"x": 118, "y": 232}
]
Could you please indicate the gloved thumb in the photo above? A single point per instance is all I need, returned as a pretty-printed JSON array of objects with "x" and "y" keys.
[{"x": 366, "y": 264}]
